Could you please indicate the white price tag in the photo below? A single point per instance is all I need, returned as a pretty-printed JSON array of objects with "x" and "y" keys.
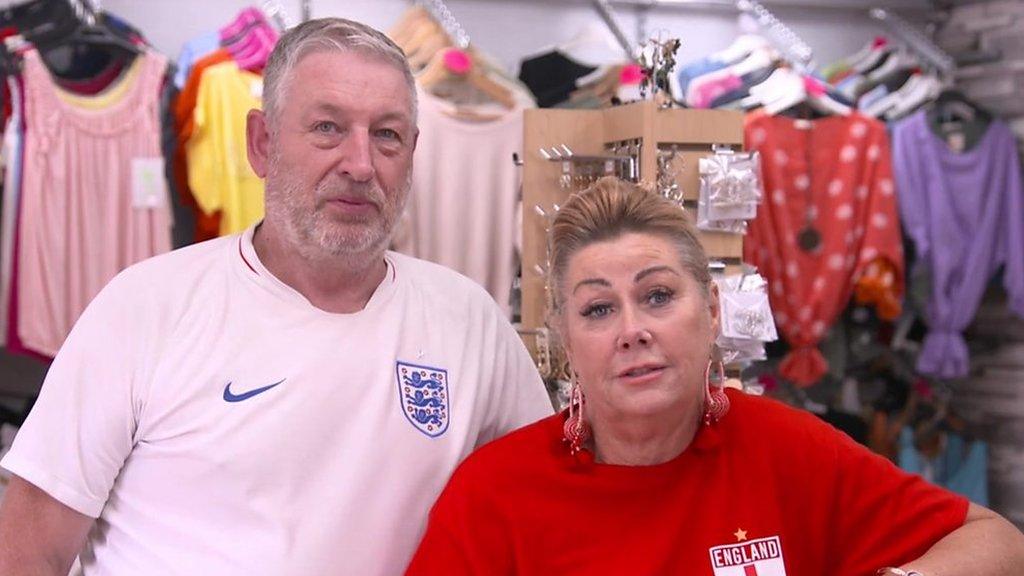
[
  {"x": 149, "y": 183},
  {"x": 957, "y": 141}
]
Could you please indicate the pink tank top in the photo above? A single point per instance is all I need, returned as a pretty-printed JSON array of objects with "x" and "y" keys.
[{"x": 82, "y": 220}]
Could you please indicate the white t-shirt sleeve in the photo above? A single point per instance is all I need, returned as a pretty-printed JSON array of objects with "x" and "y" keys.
[
  {"x": 518, "y": 396},
  {"x": 81, "y": 429}
]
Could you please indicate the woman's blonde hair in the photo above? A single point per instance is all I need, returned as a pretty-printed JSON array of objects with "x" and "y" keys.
[{"x": 611, "y": 208}]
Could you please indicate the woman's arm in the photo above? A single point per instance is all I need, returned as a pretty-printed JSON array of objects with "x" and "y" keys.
[{"x": 986, "y": 545}]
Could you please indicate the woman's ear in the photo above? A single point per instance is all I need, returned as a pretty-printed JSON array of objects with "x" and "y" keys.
[
  {"x": 715, "y": 309},
  {"x": 559, "y": 334}
]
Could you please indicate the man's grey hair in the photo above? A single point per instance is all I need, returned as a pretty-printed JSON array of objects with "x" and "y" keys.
[{"x": 327, "y": 34}]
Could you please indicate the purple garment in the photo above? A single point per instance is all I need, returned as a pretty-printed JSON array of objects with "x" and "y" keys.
[{"x": 965, "y": 214}]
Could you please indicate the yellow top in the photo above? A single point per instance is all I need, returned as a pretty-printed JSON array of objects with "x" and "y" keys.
[{"x": 218, "y": 167}]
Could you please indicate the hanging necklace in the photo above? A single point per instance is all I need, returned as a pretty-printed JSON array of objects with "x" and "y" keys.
[{"x": 809, "y": 238}]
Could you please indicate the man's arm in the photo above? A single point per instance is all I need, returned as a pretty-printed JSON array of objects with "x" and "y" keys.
[{"x": 39, "y": 536}]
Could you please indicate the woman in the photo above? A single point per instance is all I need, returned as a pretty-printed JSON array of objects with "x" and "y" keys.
[{"x": 654, "y": 470}]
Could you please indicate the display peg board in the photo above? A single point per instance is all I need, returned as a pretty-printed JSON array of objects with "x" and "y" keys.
[{"x": 592, "y": 132}]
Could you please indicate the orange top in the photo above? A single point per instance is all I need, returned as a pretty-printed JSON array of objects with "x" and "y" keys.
[{"x": 207, "y": 225}]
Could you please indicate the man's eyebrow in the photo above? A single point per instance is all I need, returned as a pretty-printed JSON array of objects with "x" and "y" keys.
[
  {"x": 334, "y": 109},
  {"x": 399, "y": 116},
  {"x": 325, "y": 107}
]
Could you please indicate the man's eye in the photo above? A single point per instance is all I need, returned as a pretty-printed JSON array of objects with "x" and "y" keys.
[
  {"x": 388, "y": 134},
  {"x": 325, "y": 127}
]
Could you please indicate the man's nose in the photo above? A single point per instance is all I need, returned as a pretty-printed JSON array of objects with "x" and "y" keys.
[{"x": 356, "y": 157}]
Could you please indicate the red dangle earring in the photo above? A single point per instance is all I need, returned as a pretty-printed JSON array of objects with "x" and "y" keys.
[
  {"x": 716, "y": 403},
  {"x": 576, "y": 429}
]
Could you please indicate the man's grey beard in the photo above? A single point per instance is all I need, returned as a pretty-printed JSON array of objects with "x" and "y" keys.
[{"x": 312, "y": 233}]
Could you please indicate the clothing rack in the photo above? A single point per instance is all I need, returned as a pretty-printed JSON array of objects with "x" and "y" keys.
[
  {"x": 276, "y": 12},
  {"x": 440, "y": 12},
  {"x": 917, "y": 41},
  {"x": 794, "y": 49},
  {"x": 86, "y": 10},
  {"x": 604, "y": 10},
  {"x": 808, "y": 5}
]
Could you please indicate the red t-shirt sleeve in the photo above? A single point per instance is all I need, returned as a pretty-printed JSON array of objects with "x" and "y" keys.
[
  {"x": 466, "y": 533},
  {"x": 883, "y": 516}
]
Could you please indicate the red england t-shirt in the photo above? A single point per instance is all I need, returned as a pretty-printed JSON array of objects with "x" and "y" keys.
[{"x": 768, "y": 491}]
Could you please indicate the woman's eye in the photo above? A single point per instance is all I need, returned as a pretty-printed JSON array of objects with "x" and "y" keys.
[
  {"x": 596, "y": 311},
  {"x": 659, "y": 297}
]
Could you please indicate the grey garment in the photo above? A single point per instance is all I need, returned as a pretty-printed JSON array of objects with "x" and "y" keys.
[
  {"x": 835, "y": 348},
  {"x": 184, "y": 231},
  {"x": 588, "y": 103}
]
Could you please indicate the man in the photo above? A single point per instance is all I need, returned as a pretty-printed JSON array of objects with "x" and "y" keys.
[{"x": 287, "y": 401}]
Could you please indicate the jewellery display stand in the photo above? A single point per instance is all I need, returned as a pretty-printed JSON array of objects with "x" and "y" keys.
[{"x": 642, "y": 130}]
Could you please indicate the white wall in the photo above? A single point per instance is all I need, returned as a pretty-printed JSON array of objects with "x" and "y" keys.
[{"x": 508, "y": 30}]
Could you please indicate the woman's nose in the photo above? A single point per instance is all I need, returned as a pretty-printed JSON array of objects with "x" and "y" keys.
[{"x": 633, "y": 333}]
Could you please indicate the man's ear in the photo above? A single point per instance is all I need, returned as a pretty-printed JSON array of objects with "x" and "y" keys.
[{"x": 257, "y": 142}]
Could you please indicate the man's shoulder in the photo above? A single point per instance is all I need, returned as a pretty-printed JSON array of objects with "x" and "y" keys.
[
  {"x": 175, "y": 272},
  {"x": 437, "y": 280}
]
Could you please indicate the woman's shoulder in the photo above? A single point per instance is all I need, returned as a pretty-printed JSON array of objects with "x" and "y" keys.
[
  {"x": 522, "y": 452},
  {"x": 772, "y": 420}
]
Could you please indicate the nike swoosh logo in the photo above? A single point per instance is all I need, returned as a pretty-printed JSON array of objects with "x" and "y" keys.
[{"x": 229, "y": 397}]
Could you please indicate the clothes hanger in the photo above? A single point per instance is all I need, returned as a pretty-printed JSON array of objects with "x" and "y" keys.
[
  {"x": 953, "y": 104},
  {"x": 953, "y": 113},
  {"x": 758, "y": 59},
  {"x": 424, "y": 38},
  {"x": 809, "y": 91},
  {"x": 861, "y": 55},
  {"x": 747, "y": 42},
  {"x": 407, "y": 24},
  {"x": 256, "y": 58},
  {"x": 244, "y": 20},
  {"x": 900, "y": 60},
  {"x": 427, "y": 45},
  {"x": 89, "y": 31},
  {"x": 593, "y": 45},
  {"x": 452, "y": 65},
  {"x": 874, "y": 58},
  {"x": 910, "y": 91},
  {"x": 924, "y": 90},
  {"x": 742, "y": 47},
  {"x": 100, "y": 35},
  {"x": 603, "y": 88},
  {"x": 776, "y": 85},
  {"x": 275, "y": 14},
  {"x": 785, "y": 89},
  {"x": 41, "y": 20},
  {"x": 252, "y": 52}
]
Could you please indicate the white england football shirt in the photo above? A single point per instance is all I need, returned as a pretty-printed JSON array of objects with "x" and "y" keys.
[{"x": 215, "y": 422}]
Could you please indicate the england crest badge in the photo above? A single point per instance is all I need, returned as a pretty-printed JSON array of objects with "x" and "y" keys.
[
  {"x": 760, "y": 557},
  {"x": 423, "y": 391}
]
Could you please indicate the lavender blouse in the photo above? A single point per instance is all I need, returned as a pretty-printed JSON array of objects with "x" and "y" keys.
[{"x": 965, "y": 215}]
